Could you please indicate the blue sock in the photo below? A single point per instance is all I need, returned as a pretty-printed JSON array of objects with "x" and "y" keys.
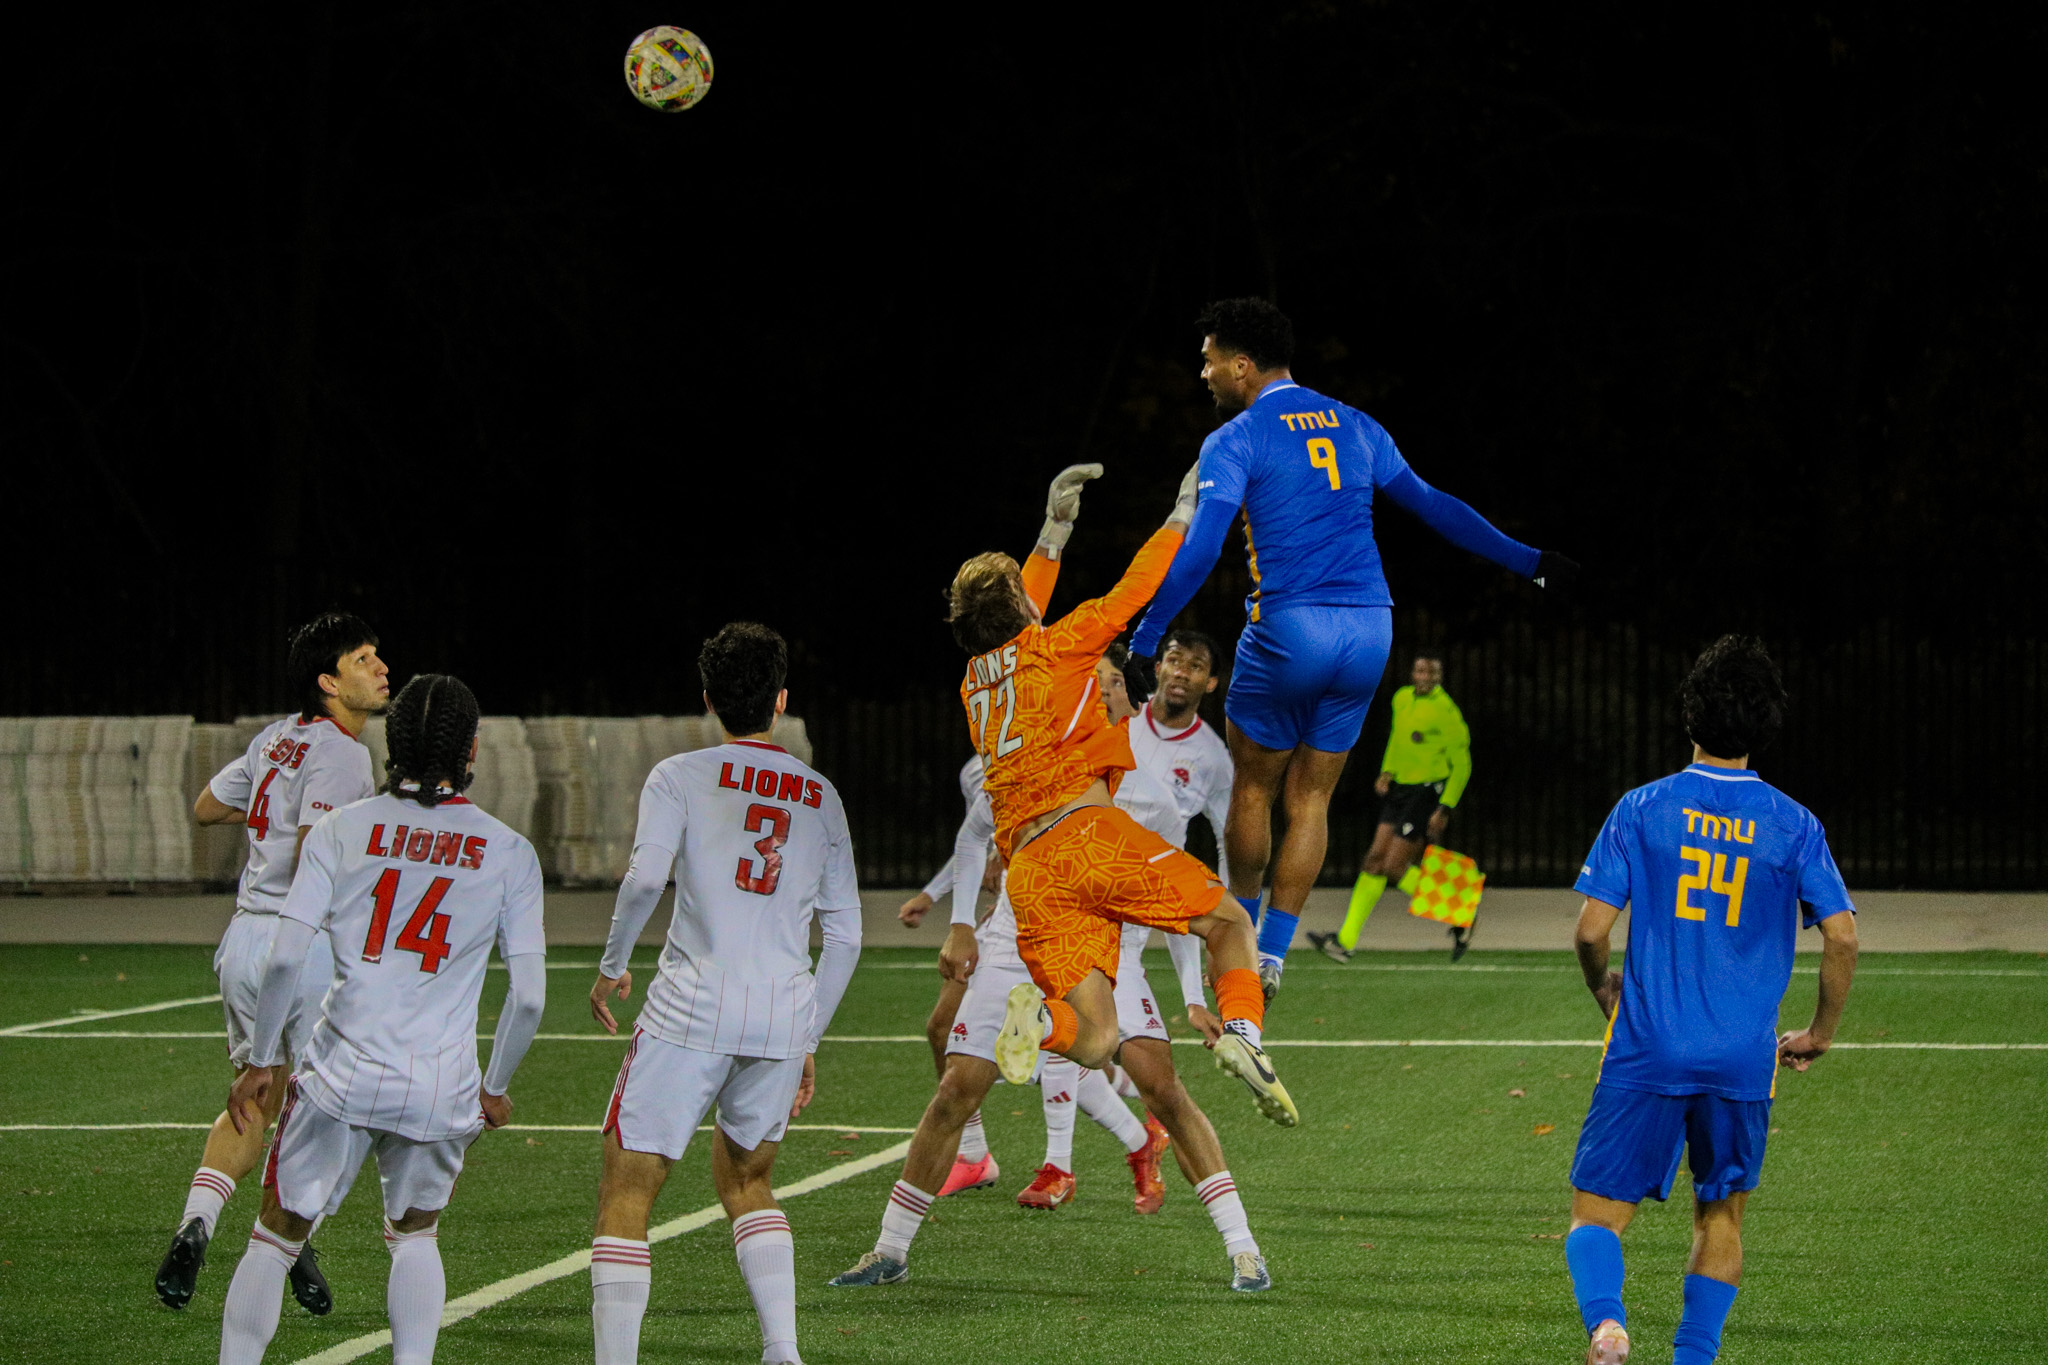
[
  {"x": 1594, "y": 1255},
  {"x": 1276, "y": 932},
  {"x": 1707, "y": 1302}
]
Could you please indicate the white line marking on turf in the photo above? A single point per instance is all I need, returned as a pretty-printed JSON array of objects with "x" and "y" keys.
[
  {"x": 19, "y": 1030},
  {"x": 491, "y": 1295},
  {"x": 855, "y": 1128},
  {"x": 1180, "y": 1042}
]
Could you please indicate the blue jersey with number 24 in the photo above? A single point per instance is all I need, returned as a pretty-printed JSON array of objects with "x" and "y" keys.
[{"x": 1720, "y": 871}]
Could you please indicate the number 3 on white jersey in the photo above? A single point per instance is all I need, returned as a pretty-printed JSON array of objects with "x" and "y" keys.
[{"x": 1006, "y": 693}]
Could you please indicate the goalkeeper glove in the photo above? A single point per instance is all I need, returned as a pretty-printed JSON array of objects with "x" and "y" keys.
[
  {"x": 1553, "y": 570},
  {"x": 1184, "y": 504},
  {"x": 1062, "y": 505}
]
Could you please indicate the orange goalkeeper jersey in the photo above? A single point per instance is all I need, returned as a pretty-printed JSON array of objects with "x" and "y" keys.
[{"x": 1034, "y": 711}]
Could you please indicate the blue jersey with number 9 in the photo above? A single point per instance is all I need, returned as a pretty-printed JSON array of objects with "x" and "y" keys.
[
  {"x": 1304, "y": 467},
  {"x": 1720, "y": 871}
]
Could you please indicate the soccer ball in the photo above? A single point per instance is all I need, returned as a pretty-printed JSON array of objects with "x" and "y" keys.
[{"x": 668, "y": 68}]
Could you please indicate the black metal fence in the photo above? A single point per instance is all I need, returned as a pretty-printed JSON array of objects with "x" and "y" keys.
[{"x": 1924, "y": 760}]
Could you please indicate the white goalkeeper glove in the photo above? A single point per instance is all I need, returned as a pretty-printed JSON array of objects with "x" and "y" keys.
[
  {"x": 1062, "y": 505},
  {"x": 1184, "y": 505}
]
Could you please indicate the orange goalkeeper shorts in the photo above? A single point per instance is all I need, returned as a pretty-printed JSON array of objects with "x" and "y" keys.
[{"x": 1075, "y": 886}]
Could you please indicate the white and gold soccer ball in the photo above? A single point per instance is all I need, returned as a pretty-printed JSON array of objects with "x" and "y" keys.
[{"x": 668, "y": 68}]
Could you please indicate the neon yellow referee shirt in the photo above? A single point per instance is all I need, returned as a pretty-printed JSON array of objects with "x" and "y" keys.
[{"x": 1429, "y": 743}]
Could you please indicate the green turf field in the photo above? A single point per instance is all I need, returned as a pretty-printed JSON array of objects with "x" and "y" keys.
[{"x": 1416, "y": 1215}]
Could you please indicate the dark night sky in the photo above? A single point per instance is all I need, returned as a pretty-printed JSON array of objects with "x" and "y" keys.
[{"x": 423, "y": 315}]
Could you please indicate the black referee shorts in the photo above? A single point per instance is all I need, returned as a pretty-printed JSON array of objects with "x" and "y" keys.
[{"x": 1407, "y": 807}]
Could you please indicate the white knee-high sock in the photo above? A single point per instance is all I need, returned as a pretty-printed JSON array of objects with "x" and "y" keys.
[
  {"x": 1219, "y": 1195},
  {"x": 621, "y": 1273},
  {"x": 415, "y": 1294},
  {"x": 1099, "y": 1101},
  {"x": 973, "y": 1139},
  {"x": 1057, "y": 1083},
  {"x": 901, "y": 1218},
  {"x": 210, "y": 1190},
  {"x": 249, "y": 1318},
  {"x": 767, "y": 1256}
]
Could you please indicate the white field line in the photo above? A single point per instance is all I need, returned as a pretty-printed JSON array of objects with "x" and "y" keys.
[
  {"x": 477, "y": 1300},
  {"x": 851, "y": 1128},
  {"x": 18, "y": 1030},
  {"x": 1189, "y": 1042}
]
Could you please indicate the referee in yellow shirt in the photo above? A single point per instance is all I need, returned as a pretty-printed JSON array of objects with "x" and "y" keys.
[{"x": 1428, "y": 763}]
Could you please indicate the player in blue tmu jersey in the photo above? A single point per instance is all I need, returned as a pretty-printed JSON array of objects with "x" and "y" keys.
[
  {"x": 1305, "y": 469},
  {"x": 1721, "y": 871}
]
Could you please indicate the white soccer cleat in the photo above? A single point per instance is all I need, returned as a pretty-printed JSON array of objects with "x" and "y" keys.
[
  {"x": 1248, "y": 1273},
  {"x": 1609, "y": 1345},
  {"x": 1025, "y": 1024},
  {"x": 1237, "y": 1056}
]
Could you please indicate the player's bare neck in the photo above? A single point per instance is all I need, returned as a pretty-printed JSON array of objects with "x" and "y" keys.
[
  {"x": 1700, "y": 755},
  {"x": 761, "y": 737},
  {"x": 348, "y": 718},
  {"x": 1174, "y": 720}
]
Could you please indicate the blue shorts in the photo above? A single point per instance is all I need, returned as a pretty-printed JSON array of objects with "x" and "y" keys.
[
  {"x": 1305, "y": 675},
  {"x": 1630, "y": 1146}
]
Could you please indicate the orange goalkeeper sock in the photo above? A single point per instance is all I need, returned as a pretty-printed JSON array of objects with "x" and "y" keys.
[
  {"x": 1066, "y": 1026},
  {"x": 1239, "y": 996}
]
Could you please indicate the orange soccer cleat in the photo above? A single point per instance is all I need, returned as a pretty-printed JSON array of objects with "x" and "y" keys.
[
  {"x": 1145, "y": 1167},
  {"x": 1049, "y": 1189}
]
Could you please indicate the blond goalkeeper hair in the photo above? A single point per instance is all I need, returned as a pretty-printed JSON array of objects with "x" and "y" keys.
[{"x": 986, "y": 602}]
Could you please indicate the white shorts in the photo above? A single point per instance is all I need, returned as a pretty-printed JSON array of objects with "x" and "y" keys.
[
  {"x": 664, "y": 1091},
  {"x": 239, "y": 963},
  {"x": 980, "y": 1016},
  {"x": 315, "y": 1158}
]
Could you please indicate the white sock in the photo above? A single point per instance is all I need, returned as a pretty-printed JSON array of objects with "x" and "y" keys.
[
  {"x": 767, "y": 1256},
  {"x": 1219, "y": 1194},
  {"x": 1120, "y": 1080},
  {"x": 249, "y": 1318},
  {"x": 1245, "y": 1029},
  {"x": 973, "y": 1139},
  {"x": 901, "y": 1217},
  {"x": 316, "y": 1226},
  {"x": 621, "y": 1273},
  {"x": 1058, "y": 1083},
  {"x": 415, "y": 1294},
  {"x": 1099, "y": 1101},
  {"x": 1270, "y": 960},
  {"x": 210, "y": 1190}
]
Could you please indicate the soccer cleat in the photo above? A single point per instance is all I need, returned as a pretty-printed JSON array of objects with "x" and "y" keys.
[
  {"x": 870, "y": 1270},
  {"x": 970, "y": 1175},
  {"x": 1237, "y": 1056},
  {"x": 1330, "y": 947},
  {"x": 1609, "y": 1345},
  {"x": 1269, "y": 980},
  {"x": 1461, "y": 939},
  {"x": 1025, "y": 1024},
  {"x": 1144, "y": 1165},
  {"x": 1049, "y": 1189},
  {"x": 178, "y": 1276},
  {"x": 309, "y": 1286},
  {"x": 1248, "y": 1273}
]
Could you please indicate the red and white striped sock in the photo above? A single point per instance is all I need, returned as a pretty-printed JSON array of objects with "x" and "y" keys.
[
  {"x": 621, "y": 1273},
  {"x": 767, "y": 1256},
  {"x": 415, "y": 1294},
  {"x": 1219, "y": 1195},
  {"x": 973, "y": 1139},
  {"x": 248, "y": 1320},
  {"x": 901, "y": 1217},
  {"x": 210, "y": 1190}
]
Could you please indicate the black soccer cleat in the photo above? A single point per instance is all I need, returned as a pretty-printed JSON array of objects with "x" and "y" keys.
[
  {"x": 1461, "y": 939},
  {"x": 178, "y": 1276},
  {"x": 1329, "y": 947},
  {"x": 309, "y": 1286}
]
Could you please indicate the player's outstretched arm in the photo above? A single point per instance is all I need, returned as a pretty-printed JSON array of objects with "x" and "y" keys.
[
  {"x": 1596, "y": 923},
  {"x": 1062, "y": 507},
  {"x": 1456, "y": 522},
  {"x": 1837, "y": 968},
  {"x": 1206, "y": 521}
]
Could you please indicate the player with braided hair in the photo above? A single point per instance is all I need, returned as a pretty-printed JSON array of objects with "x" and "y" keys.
[
  {"x": 293, "y": 772},
  {"x": 414, "y": 886}
]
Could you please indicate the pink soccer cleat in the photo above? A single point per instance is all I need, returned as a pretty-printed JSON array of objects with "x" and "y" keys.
[{"x": 970, "y": 1175}]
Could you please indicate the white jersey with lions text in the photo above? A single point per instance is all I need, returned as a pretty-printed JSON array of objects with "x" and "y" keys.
[
  {"x": 413, "y": 898},
  {"x": 1194, "y": 763},
  {"x": 761, "y": 846},
  {"x": 294, "y": 772}
]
